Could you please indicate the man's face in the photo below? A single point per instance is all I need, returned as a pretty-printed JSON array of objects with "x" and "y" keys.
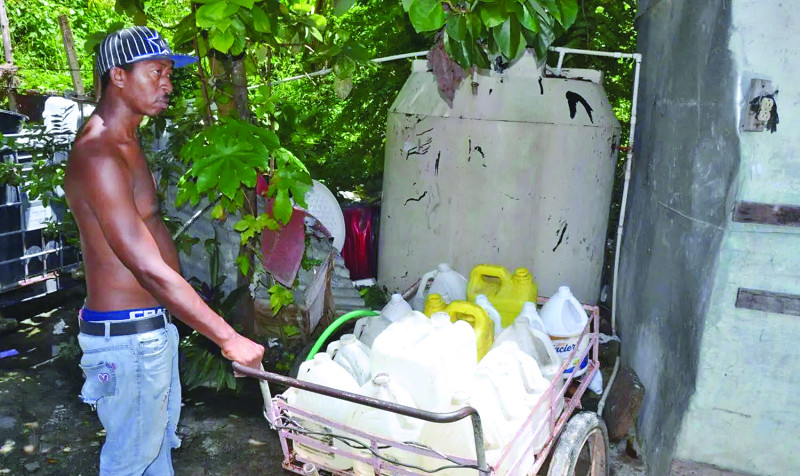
[{"x": 147, "y": 86}]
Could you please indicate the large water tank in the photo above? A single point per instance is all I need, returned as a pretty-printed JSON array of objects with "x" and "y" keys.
[{"x": 518, "y": 172}]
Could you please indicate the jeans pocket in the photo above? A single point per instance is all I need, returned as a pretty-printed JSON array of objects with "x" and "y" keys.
[
  {"x": 153, "y": 343},
  {"x": 100, "y": 382}
]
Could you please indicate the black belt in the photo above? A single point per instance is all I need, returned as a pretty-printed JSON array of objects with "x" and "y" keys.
[{"x": 122, "y": 328}]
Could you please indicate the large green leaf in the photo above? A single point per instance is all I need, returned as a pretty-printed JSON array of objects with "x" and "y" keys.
[
  {"x": 261, "y": 21},
  {"x": 493, "y": 14},
  {"x": 248, "y": 4},
  {"x": 569, "y": 12},
  {"x": 528, "y": 19},
  {"x": 212, "y": 13},
  {"x": 457, "y": 26},
  {"x": 426, "y": 15},
  {"x": 509, "y": 38},
  {"x": 282, "y": 209}
]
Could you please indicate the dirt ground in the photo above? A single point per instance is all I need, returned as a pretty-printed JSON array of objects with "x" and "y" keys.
[{"x": 46, "y": 430}]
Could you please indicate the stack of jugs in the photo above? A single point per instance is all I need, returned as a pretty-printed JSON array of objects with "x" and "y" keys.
[
  {"x": 385, "y": 424},
  {"x": 444, "y": 281},
  {"x": 508, "y": 385},
  {"x": 564, "y": 318},
  {"x": 471, "y": 313},
  {"x": 431, "y": 358},
  {"x": 453, "y": 439},
  {"x": 353, "y": 356},
  {"x": 323, "y": 371},
  {"x": 368, "y": 328},
  {"x": 528, "y": 332},
  {"x": 505, "y": 291}
]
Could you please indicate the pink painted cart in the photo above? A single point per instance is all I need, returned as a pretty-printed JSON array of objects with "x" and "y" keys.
[{"x": 576, "y": 445}]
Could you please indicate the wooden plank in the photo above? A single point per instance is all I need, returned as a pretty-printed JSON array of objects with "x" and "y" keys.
[
  {"x": 768, "y": 301},
  {"x": 766, "y": 214},
  {"x": 72, "y": 57}
]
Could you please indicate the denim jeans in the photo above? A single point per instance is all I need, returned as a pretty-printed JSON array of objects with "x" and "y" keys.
[{"x": 132, "y": 381}]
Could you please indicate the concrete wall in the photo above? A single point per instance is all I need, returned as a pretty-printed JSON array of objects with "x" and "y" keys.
[
  {"x": 747, "y": 377},
  {"x": 687, "y": 156}
]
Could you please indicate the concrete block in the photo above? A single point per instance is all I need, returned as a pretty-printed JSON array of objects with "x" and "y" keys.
[
  {"x": 690, "y": 468},
  {"x": 624, "y": 401}
]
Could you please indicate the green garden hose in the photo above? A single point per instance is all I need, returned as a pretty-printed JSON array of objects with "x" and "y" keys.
[{"x": 335, "y": 325}]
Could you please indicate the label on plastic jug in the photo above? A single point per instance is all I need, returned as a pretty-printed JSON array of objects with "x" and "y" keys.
[{"x": 564, "y": 347}]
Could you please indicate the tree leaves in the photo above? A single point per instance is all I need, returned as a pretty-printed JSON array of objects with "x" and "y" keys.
[
  {"x": 509, "y": 38},
  {"x": 425, "y": 15}
]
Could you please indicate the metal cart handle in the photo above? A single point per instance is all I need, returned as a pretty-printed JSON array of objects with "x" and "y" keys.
[{"x": 433, "y": 417}]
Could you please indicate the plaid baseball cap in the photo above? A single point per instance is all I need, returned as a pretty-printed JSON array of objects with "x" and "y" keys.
[{"x": 134, "y": 44}]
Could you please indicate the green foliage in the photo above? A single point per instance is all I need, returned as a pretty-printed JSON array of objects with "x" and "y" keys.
[{"x": 475, "y": 30}]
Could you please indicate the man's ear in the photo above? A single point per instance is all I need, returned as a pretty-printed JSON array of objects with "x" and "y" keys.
[{"x": 117, "y": 76}]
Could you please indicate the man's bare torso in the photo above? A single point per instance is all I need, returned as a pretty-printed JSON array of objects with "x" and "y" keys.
[{"x": 111, "y": 285}]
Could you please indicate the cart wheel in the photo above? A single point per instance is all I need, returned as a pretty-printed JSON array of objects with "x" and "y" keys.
[{"x": 582, "y": 448}]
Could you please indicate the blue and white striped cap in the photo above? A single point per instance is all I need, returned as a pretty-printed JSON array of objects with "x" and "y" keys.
[{"x": 134, "y": 44}]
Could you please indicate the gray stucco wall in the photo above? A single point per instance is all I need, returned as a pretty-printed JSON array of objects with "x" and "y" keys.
[{"x": 686, "y": 160}]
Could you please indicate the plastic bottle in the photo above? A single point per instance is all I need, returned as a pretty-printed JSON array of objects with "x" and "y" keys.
[
  {"x": 564, "y": 318},
  {"x": 396, "y": 308},
  {"x": 476, "y": 317},
  {"x": 385, "y": 424},
  {"x": 434, "y": 303},
  {"x": 453, "y": 439},
  {"x": 368, "y": 328},
  {"x": 443, "y": 280},
  {"x": 430, "y": 358},
  {"x": 482, "y": 301},
  {"x": 529, "y": 312},
  {"x": 505, "y": 291},
  {"x": 353, "y": 356},
  {"x": 323, "y": 371},
  {"x": 533, "y": 342}
]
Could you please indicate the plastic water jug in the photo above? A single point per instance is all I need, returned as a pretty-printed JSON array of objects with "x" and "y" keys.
[
  {"x": 369, "y": 327},
  {"x": 443, "y": 280},
  {"x": 534, "y": 320},
  {"x": 535, "y": 343},
  {"x": 505, "y": 291},
  {"x": 385, "y": 424},
  {"x": 476, "y": 317},
  {"x": 482, "y": 301},
  {"x": 396, "y": 308},
  {"x": 565, "y": 319},
  {"x": 323, "y": 371},
  {"x": 453, "y": 439},
  {"x": 434, "y": 303},
  {"x": 431, "y": 358},
  {"x": 353, "y": 356}
]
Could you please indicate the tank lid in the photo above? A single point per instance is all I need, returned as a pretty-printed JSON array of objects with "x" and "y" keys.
[
  {"x": 381, "y": 380},
  {"x": 348, "y": 338}
]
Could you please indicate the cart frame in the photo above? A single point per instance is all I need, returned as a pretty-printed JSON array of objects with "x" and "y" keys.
[{"x": 284, "y": 418}]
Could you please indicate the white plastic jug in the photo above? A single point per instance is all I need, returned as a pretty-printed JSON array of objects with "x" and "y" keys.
[
  {"x": 564, "y": 318},
  {"x": 353, "y": 356},
  {"x": 385, "y": 424},
  {"x": 396, "y": 308},
  {"x": 453, "y": 439},
  {"x": 504, "y": 379},
  {"x": 323, "y": 371},
  {"x": 529, "y": 312},
  {"x": 533, "y": 342},
  {"x": 369, "y": 327},
  {"x": 482, "y": 301},
  {"x": 443, "y": 280},
  {"x": 431, "y": 358}
]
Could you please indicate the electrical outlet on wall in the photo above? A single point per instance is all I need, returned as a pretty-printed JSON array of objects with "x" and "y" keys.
[{"x": 761, "y": 108}]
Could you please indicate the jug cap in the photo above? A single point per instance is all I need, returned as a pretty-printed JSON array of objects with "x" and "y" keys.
[
  {"x": 564, "y": 290},
  {"x": 438, "y": 319},
  {"x": 529, "y": 307},
  {"x": 348, "y": 338},
  {"x": 522, "y": 274},
  {"x": 397, "y": 297},
  {"x": 381, "y": 380},
  {"x": 443, "y": 267},
  {"x": 320, "y": 356}
]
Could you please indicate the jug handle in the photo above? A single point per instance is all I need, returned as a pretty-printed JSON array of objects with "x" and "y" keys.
[
  {"x": 492, "y": 273},
  {"x": 333, "y": 348},
  {"x": 423, "y": 283},
  {"x": 358, "y": 329},
  {"x": 571, "y": 303}
]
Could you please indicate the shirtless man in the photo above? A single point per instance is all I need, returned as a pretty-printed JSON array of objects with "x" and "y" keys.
[{"x": 132, "y": 270}]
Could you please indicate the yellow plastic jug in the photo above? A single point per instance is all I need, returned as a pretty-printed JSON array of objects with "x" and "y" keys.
[
  {"x": 478, "y": 319},
  {"x": 505, "y": 291},
  {"x": 434, "y": 303}
]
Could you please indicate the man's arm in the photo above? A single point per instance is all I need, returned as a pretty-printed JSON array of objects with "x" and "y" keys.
[{"x": 110, "y": 198}]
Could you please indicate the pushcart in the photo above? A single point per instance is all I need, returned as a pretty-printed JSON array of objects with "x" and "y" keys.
[{"x": 576, "y": 443}]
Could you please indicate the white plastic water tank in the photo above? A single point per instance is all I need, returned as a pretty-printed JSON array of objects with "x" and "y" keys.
[{"x": 518, "y": 172}]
